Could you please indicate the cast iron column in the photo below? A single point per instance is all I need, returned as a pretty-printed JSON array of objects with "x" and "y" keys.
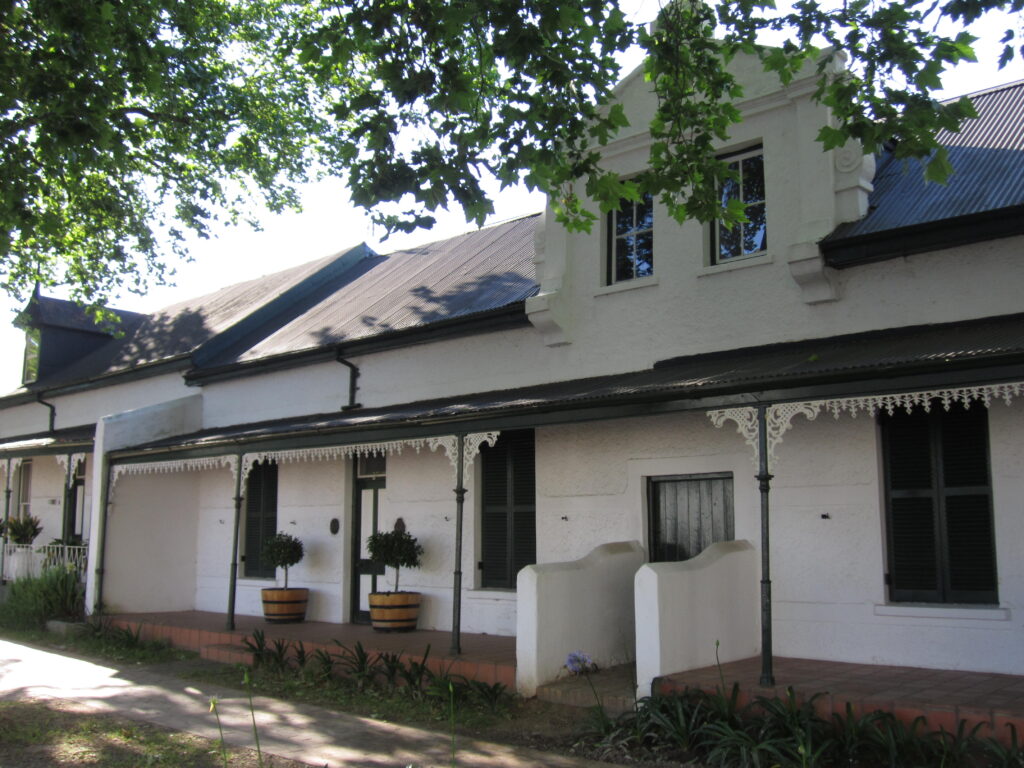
[
  {"x": 68, "y": 479},
  {"x": 764, "y": 484},
  {"x": 233, "y": 572},
  {"x": 7, "y": 516},
  {"x": 460, "y": 498},
  {"x": 101, "y": 533}
]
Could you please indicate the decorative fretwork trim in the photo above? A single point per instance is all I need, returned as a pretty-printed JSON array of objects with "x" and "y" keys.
[
  {"x": 320, "y": 453},
  {"x": 174, "y": 465},
  {"x": 779, "y": 417},
  {"x": 62, "y": 459}
]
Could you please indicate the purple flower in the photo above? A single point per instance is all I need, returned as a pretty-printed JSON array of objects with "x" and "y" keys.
[{"x": 579, "y": 663}]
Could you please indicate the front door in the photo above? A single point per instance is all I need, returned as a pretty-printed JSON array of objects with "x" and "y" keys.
[{"x": 370, "y": 500}]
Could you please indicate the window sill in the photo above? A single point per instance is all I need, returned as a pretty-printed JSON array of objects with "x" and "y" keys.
[
  {"x": 627, "y": 285},
  {"x": 729, "y": 266},
  {"x": 491, "y": 593},
  {"x": 951, "y": 611},
  {"x": 252, "y": 581}
]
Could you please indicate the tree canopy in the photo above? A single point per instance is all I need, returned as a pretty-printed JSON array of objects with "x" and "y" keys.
[{"x": 125, "y": 124}]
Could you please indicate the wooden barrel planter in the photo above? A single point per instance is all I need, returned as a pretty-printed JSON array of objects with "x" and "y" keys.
[
  {"x": 285, "y": 606},
  {"x": 394, "y": 611}
]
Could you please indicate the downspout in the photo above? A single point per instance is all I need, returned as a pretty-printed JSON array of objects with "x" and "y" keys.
[
  {"x": 7, "y": 516},
  {"x": 51, "y": 406},
  {"x": 764, "y": 484},
  {"x": 460, "y": 497},
  {"x": 101, "y": 534},
  {"x": 233, "y": 568},
  {"x": 353, "y": 378}
]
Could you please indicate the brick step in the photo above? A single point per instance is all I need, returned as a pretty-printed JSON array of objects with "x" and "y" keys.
[{"x": 226, "y": 653}]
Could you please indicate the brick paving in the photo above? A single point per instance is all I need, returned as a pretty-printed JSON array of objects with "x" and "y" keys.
[
  {"x": 944, "y": 697},
  {"x": 489, "y": 658}
]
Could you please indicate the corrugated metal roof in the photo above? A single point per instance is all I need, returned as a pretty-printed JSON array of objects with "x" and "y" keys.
[
  {"x": 475, "y": 272},
  {"x": 988, "y": 171},
  {"x": 945, "y": 348},
  {"x": 180, "y": 328}
]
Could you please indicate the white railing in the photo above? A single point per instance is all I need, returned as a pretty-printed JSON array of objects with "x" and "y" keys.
[{"x": 25, "y": 560}]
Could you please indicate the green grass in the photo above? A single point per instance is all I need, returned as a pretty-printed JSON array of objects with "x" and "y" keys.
[
  {"x": 343, "y": 694},
  {"x": 37, "y": 734}
]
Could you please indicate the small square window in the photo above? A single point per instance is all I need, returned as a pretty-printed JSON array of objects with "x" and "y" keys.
[
  {"x": 630, "y": 251},
  {"x": 749, "y": 238}
]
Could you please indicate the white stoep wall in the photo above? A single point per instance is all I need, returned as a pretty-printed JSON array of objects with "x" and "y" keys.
[
  {"x": 698, "y": 612},
  {"x": 585, "y": 605}
]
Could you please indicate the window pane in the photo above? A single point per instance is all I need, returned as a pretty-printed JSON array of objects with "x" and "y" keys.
[
  {"x": 645, "y": 213},
  {"x": 728, "y": 242},
  {"x": 644, "y": 259},
  {"x": 624, "y": 258},
  {"x": 755, "y": 232},
  {"x": 910, "y": 462},
  {"x": 753, "y": 179},
  {"x": 624, "y": 219},
  {"x": 730, "y": 191}
]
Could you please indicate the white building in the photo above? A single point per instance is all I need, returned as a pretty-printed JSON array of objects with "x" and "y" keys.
[{"x": 863, "y": 327}]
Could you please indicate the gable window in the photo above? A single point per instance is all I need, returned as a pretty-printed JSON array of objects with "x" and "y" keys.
[
  {"x": 939, "y": 505},
  {"x": 260, "y": 518},
  {"x": 30, "y": 363},
  {"x": 508, "y": 530},
  {"x": 749, "y": 238},
  {"x": 630, "y": 252}
]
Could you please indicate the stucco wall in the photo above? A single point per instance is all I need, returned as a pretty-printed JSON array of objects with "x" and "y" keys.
[
  {"x": 87, "y": 406},
  {"x": 151, "y": 535},
  {"x": 828, "y": 572}
]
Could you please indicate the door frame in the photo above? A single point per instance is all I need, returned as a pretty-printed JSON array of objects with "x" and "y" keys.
[{"x": 362, "y": 566}]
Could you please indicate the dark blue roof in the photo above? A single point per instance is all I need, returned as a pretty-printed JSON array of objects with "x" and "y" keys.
[{"x": 988, "y": 171}]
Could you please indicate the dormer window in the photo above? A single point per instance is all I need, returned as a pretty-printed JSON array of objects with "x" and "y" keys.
[
  {"x": 630, "y": 253},
  {"x": 749, "y": 238},
  {"x": 30, "y": 363}
]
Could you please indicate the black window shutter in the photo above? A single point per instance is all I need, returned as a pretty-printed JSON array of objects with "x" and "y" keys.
[
  {"x": 508, "y": 509},
  {"x": 260, "y": 517},
  {"x": 941, "y": 537}
]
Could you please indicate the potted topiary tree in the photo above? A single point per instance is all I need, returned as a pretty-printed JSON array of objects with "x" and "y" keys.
[
  {"x": 395, "y": 611},
  {"x": 283, "y": 605}
]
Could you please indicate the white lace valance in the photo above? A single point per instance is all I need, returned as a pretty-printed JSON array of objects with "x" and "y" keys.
[{"x": 779, "y": 417}]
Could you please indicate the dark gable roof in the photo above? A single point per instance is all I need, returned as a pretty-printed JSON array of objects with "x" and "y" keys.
[
  {"x": 60, "y": 313},
  {"x": 354, "y": 295},
  {"x": 176, "y": 331},
  {"x": 447, "y": 279},
  {"x": 983, "y": 199}
]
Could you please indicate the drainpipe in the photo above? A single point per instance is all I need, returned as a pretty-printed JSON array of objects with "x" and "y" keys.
[
  {"x": 7, "y": 516},
  {"x": 233, "y": 568},
  {"x": 353, "y": 378},
  {"x": 101, "y": 534},
  {"x": 460, "y": 497},
  {"x": 51, "y": 406},
  {"x": 764, "y": 484}
]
